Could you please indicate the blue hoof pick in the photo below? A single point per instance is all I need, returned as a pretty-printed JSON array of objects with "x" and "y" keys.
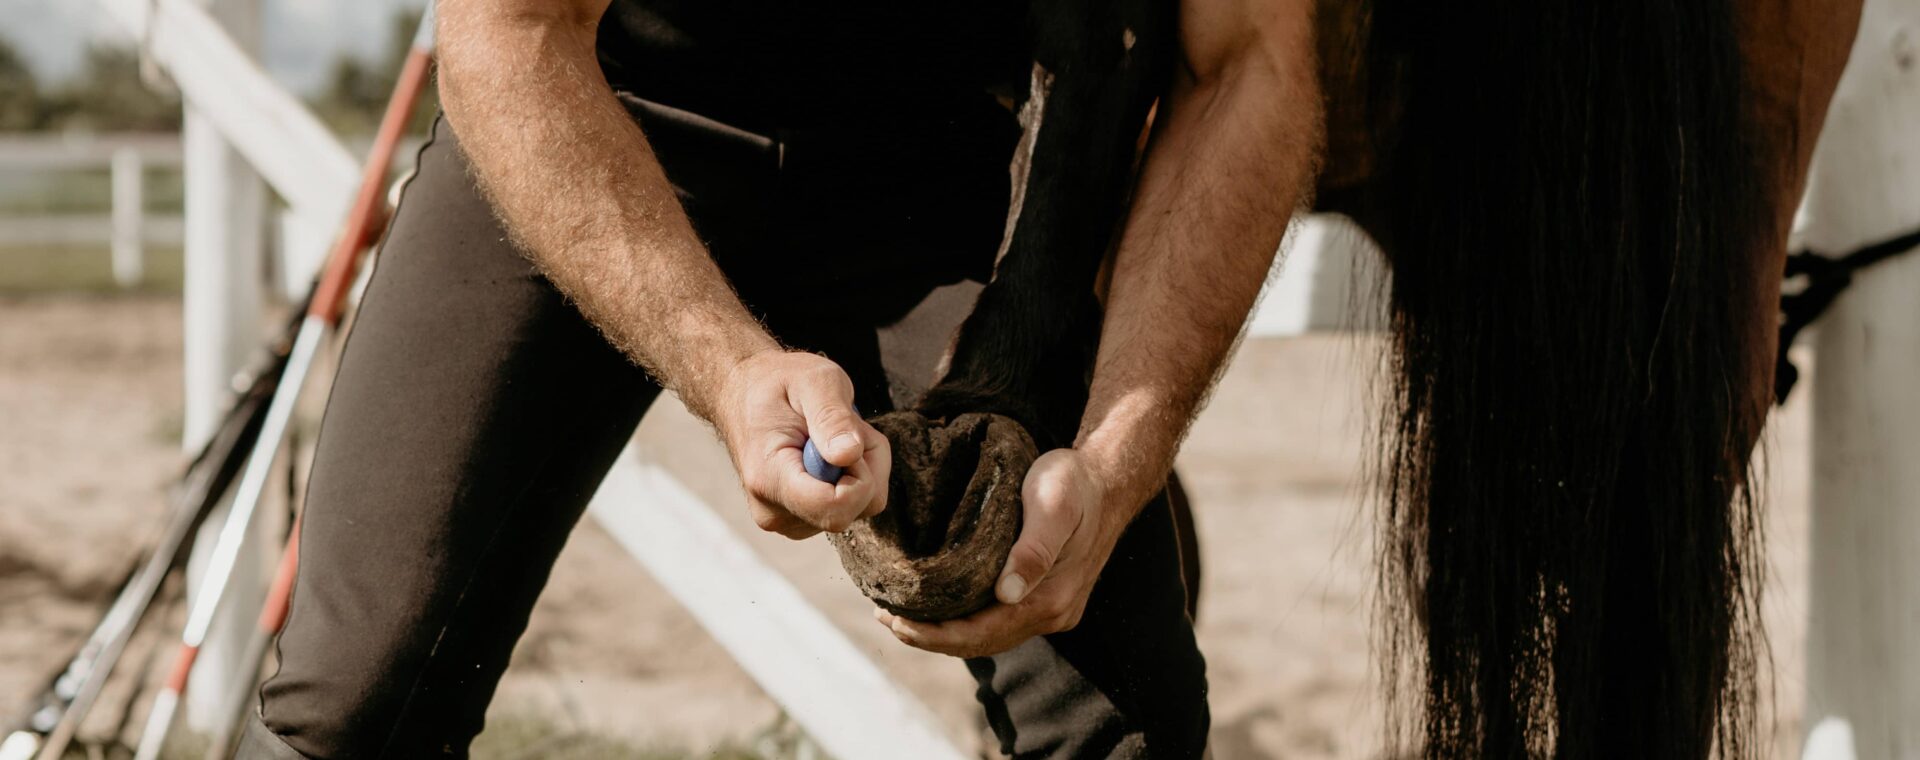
[{"x": 817, "y": 466}]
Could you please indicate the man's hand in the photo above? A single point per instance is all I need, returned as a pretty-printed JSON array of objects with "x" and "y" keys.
[
  {"x": 574, "y": 178},
  {"x": 771, "y": 404},
  {"x": 1068, "y": 530}
]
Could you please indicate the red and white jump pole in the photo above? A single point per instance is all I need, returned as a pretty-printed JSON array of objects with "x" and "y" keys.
[{"x": 364, "y": 222}]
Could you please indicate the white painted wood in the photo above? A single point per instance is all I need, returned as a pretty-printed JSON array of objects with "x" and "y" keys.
[
  {"x": 226, "y": 213},
  {"x": 129, "y": 210},
  {"x": 806, "y": 664},
  {"x": 300, "y": 247},
  {"x": 1830, "y": 739},
  {"x": 126, "y": 230},
  {"x": 1863, "y": 660},
  {"x": 45, "y": 151},
  {"x": 225, "y": 205},
  {"x": 1329, "y": 277},
  {"x": 306, "y": 165},
  {"x": 301, "y": 242}
]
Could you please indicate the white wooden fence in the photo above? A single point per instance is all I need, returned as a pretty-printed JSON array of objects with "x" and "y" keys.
[
  {"x": 126, "y": 229},
  {"x": 1863, "y": 636}
]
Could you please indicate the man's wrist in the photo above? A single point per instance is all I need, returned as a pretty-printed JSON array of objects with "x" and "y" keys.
[
  {"x": 733, "y": 371},
  {"x": 1131, "y": 462}
]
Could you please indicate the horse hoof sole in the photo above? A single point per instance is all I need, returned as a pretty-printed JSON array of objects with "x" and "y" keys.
[{"x": 953, "y": 512}]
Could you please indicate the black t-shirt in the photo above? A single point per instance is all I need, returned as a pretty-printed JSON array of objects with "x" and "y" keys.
[
  {"x": 891, "y": 120},
  {"x": 765, "y": 65}
]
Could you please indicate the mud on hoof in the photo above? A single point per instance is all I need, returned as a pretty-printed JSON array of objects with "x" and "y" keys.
[{"x": 953, "y": 512}]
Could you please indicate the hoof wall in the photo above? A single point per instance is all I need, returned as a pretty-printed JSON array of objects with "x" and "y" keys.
[{"x": 953, "y": 512}]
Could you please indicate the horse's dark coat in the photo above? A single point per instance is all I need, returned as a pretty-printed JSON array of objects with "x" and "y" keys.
[{"x": 1584, "y": 205}]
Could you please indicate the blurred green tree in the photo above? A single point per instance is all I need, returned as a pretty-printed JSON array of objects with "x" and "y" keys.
[
  {"x": 357, "y": 90},
  {"x": 110, "y": 96},
  {"x": 19, "y": 92}
]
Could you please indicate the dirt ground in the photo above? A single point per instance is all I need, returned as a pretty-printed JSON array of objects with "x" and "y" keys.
[{"x": 89, "y": 420}]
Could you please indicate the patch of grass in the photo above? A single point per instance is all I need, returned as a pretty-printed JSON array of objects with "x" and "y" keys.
[
  {"x": 527, "y": 738},
  {"x": 182, "y": 745},
  {"x": 513, "y": 738},
  {"x": 186, "y": 745},
  {"x": 82, "y": 269},
  {"x": 171, "y": 424}
]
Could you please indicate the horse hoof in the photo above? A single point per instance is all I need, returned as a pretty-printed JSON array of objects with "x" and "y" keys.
[{"x": 953, "y": 511}]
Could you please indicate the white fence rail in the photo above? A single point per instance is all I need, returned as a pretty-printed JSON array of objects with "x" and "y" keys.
[
  {"x": 302, "y": 161},
  {"x": 126, "y": 227},
  {"x": 51, "y": 151},
  {"x": 1863, "y": 637}
]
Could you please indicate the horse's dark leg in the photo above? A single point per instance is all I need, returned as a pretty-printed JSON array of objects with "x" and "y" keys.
[
  {"x": 1017, "y": 381},
  {"x": 1029, "y": 344}
]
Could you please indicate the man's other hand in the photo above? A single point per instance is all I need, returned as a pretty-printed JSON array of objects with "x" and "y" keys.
[
  {"x": 1068, "y": 531},
  {"x": 770, "y": 405}
]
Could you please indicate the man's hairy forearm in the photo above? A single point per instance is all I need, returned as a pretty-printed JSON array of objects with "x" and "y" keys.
[
  {"x": 1231, "y": 160},
  {"x": 576, "y": 185}
]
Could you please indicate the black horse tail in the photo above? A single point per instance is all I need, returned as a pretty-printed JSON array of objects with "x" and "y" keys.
[{"x": 1571, "y": 201}]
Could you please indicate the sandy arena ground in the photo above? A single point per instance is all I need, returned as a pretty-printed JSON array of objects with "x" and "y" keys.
[{"x": 89, "y": 420}]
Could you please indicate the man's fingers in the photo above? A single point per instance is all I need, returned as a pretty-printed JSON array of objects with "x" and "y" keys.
[
  {"x": 775, "y": 520},
  {"x": 805, "y": 399},
  {"x": 987, "y": 632},
  {"x": 782, "y": 483},
  {"x": 825, "y": 397},
  {"x": 798, "y": 531},
  {"x": 1050, "y": 515},
  {"x": 996, "y": 629},
  {"x": 830, "y": 507}
]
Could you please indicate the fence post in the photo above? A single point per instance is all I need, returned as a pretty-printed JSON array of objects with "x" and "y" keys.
[
  {"x": 1863, "y": 639},
  {"x": 129, "y": 211},
  {"x": 226, "y": 207}
]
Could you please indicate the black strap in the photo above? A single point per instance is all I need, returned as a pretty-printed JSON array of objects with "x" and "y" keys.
[{"x": 1826, "y": 277}]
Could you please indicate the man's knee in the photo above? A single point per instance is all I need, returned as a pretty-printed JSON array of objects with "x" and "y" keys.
[
  {"x": 257, "y": 742},
  {"x": 330, "y": 720},
  {"x": 346, "y": 688}
]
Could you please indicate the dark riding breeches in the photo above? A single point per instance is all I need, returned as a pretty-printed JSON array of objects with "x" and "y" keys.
[{"x": 476, "y": 411}]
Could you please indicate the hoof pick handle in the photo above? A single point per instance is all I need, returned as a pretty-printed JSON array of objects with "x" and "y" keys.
[{"x": 817, "y": 465}]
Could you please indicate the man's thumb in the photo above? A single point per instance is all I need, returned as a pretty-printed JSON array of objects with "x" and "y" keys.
[
  {"x": 1049, "y": 517},
  {"x": 832, "y": 423}
]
